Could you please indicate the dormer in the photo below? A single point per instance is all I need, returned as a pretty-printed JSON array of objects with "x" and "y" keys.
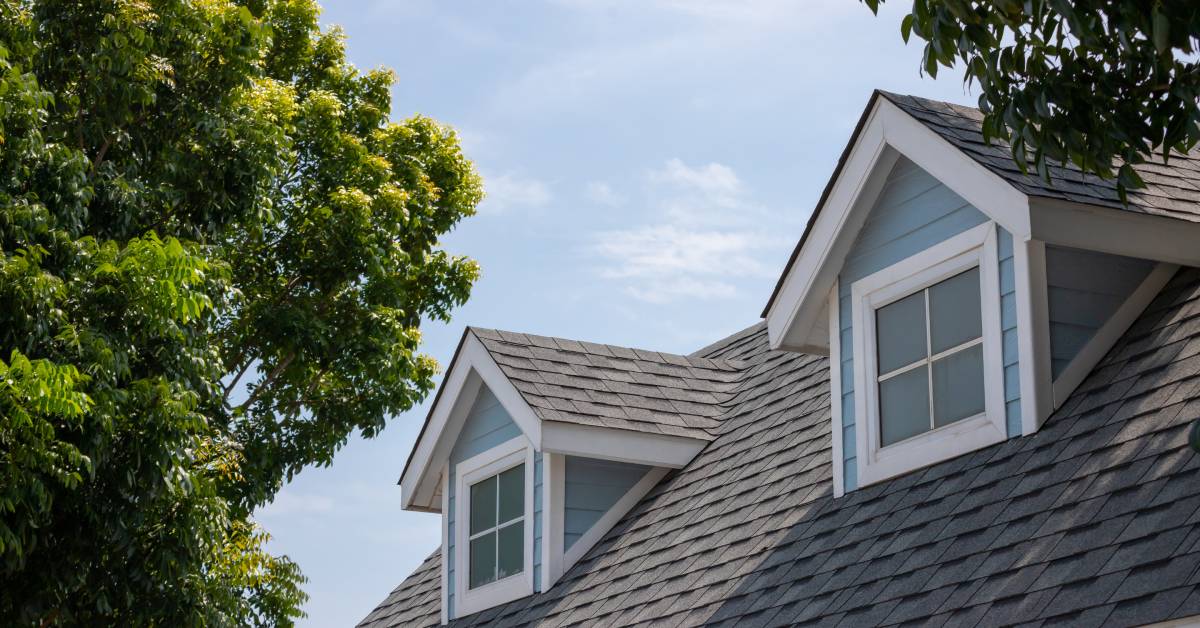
[
  {"x": 535, "y": 447},
  {"x": 961, "y": 302}
]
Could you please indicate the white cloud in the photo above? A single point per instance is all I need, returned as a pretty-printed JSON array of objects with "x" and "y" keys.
[
  {"x": 603, "y": 194},
  {"x": 702, "y": 241},
  {"x": 508, "y": 191},
  {"x": 716, "y": 182}
]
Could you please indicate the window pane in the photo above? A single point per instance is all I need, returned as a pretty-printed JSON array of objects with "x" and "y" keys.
[
  {"x": 958, "y": 386},
  {"x": 483, "y": 560},
  {"x": 900, "y": 332},
  {"x": 483, "y": 505},
  {"x": 904, "y": 405},
  {"x": 512, "y": 493},
  {"x": 512, "y": 550},
  {"x": 954, "y": 311}
]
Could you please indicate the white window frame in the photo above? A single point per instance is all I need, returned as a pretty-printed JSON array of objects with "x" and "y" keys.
[
  {"x": 491, "y": 462},
  {"x": 973, "y": 248}
]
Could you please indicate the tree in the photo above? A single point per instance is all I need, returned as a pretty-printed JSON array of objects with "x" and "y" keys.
[
  {"x": 1101, "y": 85},
  {"x": 215, "y": 255}
]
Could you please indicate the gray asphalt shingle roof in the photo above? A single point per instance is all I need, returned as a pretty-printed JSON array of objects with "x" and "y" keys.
[
  {"x": 1093, "y": 520},
  {"x": 616, "y": 387},
  {"x": 1172, "y": 189}
]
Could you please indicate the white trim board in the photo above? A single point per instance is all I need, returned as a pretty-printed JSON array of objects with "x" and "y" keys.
[
  {"x": 654, "y": 450},
  {"x": 795, "y": 320},
  {"x": 1109, "y": 333},
  {"x": 1033, "y": 333},
  {"x": 973, "y": 248},
  {"x": 1116, "y": 231},
  {"x": 502, "y": 457},
  {"x": 835, "y": 390},
  {"x": 554, "y": 481}
]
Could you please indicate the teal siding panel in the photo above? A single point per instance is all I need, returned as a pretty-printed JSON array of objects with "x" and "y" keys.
[
  {"x": 486, "y": 426},
  {"x": 591, "y": 488},
  {"x": 1008, "y": 332},
  {"x": 538, "y": 490},
  {"x": 1084, "y": 289},
  {"x": 914, "y": 211}
]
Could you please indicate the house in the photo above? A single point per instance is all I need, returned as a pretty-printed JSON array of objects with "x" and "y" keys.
[{"x": 968, "y": 404}]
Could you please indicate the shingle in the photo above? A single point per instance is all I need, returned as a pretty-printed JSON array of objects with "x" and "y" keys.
[{"x": 1094, "y": 519}]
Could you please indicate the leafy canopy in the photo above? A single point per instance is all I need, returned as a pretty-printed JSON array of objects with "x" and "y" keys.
[
  {"x": 215, "y": 254},
  {"x": 1099, "y": 84}
]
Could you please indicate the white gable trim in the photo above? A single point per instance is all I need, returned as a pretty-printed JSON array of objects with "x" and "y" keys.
[
  {"x": 796, "y": 319},
  {"x": 472, "y": 368},
  {"x": 1108, "y": 334}
]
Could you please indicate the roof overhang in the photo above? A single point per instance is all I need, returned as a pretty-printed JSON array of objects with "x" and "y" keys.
[
  {"x": 473, "y": 367},
  {"x": 797, "y": 314}
]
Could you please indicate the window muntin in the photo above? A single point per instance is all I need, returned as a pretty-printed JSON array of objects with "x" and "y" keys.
[
  {"x": 497, "y": 527},
  {"x": 930, "y": 358}
]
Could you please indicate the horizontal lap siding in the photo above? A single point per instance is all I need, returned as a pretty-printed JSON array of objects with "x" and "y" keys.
[
  {"x": 913, "y": 212},
  {"x": 592, "y": 487},
  {"x": 1084, "y": 289}
]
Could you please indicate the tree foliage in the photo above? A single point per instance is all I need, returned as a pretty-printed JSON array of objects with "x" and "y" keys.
[
  {"x": 1104, "y": 85},
  {"x": 215, "y": 254}
]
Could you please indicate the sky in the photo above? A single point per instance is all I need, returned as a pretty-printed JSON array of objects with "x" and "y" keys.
[{"x": 649, "y": 165}]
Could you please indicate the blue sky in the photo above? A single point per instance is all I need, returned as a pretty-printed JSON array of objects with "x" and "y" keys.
[{"x": 649, "y": 165}]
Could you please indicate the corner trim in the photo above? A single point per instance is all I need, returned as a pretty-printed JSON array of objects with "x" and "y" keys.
[
  {"x": 1033, "y": 333},
  {"x": 835, "y": 390}
]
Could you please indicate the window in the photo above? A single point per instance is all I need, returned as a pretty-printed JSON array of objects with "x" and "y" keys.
[
  {"x": 497, "y": 542},
  {"x": 930, "y": 348},
  {"x": 928, "y": 379},
  {"x": 493, "y": 527}
]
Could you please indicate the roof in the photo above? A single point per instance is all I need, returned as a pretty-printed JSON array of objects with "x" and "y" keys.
[
  {"x": 1094, "y": 519},
  {"x": 1172, "y": 190},
  {"x": 617, "y": 387}
]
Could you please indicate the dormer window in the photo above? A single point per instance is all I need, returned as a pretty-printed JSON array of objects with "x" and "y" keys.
[
  {"x": 497, "y": 542},
  {"x": 932, "y": 378},
  {"x": 930, "y": 358},
  {"x": 496, "y": 511}
]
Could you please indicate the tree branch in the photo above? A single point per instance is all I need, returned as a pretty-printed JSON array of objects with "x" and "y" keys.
[{"x": 270, "y": 379}]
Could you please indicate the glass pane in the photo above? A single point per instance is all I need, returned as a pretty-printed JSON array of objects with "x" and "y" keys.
[
  {"x": 904, "y": 405},
  {"x": 900, "y": 332},
  {"x": 954, "y": 311},
  {"x": 958, "y": 386},
  {"x": 483, "y": 505},
  {"x": 483, "y": 560},
  {"x": 512, "y": 550},
  {"x": 512, "y": 493}
]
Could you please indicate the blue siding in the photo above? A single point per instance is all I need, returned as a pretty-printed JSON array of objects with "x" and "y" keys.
[
  {"x": 1084, "y": 289},
  {"x": 1008, "y": 330},
  {"x": 592, "y": 487},
  {"x": 487, "y": 425},
  {"x": 537, "y": 521},
  {"x": 914, "y": 211}
]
